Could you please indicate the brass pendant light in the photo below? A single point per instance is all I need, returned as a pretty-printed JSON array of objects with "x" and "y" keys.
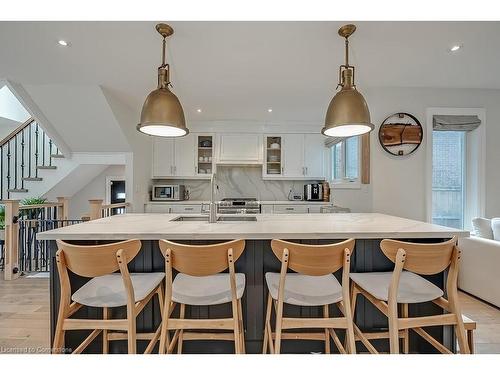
[
  {"x": 348, "y": 113},
  {"x": 162, "y": 114}
]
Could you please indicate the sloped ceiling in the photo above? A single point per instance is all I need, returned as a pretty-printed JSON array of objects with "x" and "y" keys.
[{"x": 81, "y": 116}]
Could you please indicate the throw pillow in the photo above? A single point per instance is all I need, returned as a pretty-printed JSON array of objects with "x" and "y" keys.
[
  {"x": 495, "y": 226},
  {"x": 483, "y": 227}
]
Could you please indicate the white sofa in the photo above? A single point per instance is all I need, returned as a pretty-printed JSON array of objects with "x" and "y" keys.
[{"x": 479, "y": 272}]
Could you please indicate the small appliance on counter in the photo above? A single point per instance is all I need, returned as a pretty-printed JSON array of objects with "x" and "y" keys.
[
  {"x": 168, "y": 193},
  {"x": 326, "y": 191},
  {"x": 313, "y": 192},
  {"x": 293, "y": 195}
]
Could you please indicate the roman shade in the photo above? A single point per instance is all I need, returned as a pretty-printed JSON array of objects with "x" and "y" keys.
[{"x": 455, "y": 123}]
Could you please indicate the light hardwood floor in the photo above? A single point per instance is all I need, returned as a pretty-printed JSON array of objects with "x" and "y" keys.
[{"x": 24, "y": 317}]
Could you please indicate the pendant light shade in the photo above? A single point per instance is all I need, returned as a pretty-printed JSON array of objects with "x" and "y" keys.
[
  {"x": 348, "y": 113},
  {"x": 162, "y": 114}
]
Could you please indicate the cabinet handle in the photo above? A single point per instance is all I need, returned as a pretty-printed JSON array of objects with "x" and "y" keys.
[
  {"x": 306, "y": 171},
  {"x": 289, "y": 208},
  {"x": 303, "y": 171},
  {"x": 282, "y": 170},
  {"x": 188, "y": 209}
]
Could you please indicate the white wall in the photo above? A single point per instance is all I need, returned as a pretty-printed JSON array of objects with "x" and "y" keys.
[
  {"x": 95, "y": 189},
  {"x": 139, "y": 163},
  {"x": 398, "y": 183},
  {"x": 7, "y": 126}
]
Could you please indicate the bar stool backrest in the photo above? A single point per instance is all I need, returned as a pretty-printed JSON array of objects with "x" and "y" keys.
[
  {"x": 99, "y": 260},
  {"x": 313, "y": 260},
  {"x": 201, "y": 260},
  {"x": 421, "y": 258}
]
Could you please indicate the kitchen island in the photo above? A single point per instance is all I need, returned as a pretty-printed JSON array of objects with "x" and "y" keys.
[{"x": 367, "y": 228}]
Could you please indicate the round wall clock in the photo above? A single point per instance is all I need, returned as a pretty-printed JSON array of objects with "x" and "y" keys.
[{"x": 400, "y": 134}]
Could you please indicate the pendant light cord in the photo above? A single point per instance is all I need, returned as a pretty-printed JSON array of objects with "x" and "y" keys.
[
  {"x": 347, "y": 52},
  {"x": 164, "y": 65}
]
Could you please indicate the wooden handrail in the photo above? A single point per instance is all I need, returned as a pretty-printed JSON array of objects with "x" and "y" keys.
[
  {"x": 16, "y": 131},
  {"x": 115, "y": 205},
  {"x": 43, "y": 205}
]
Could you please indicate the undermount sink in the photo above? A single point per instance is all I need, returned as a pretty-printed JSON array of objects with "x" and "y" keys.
[
  {"x": 237, "y": 218},
  {"x": 191, "y": 218},
  {"x": 221, "y": 219}
]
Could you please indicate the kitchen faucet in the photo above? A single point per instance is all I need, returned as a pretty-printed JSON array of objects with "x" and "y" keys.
[{"x": 212, "y": 216}]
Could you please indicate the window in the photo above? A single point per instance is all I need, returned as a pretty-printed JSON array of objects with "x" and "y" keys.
[
  {"x": 448, "y": 178},
  {"x": 345, "y": 161}
]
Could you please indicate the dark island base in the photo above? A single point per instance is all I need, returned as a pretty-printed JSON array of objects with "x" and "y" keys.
[{"x": 255, "y": 262}]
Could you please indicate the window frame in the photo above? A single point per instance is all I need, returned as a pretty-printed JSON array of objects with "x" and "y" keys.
[
  {"x": 344, "y": 182},
  {"x": 475, "y": 186}
]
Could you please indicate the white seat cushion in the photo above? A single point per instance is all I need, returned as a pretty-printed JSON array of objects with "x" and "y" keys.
[
  {"x": 303, "y": 290},
  {"x": 109, "y": 291},
  {"x": 206, "y": 290},
  {"x": 412, "y": 287}
]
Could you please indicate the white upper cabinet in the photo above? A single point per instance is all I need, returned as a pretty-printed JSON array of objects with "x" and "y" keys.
[
  {"x": 301, "y": 157},
  {"x": 174, "y": 157},
  {"x": 241, "y": 148},
  {"x": 293, "y": 155},
  {"x": 184, "y": 147},
  {"x": 163, "y": 157},
  {"x": 314, "y": 156},
  {"x": 283, "y": 156}
]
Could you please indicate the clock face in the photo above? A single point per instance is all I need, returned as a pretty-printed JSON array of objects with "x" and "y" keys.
[{"x": 400, "y": 134}]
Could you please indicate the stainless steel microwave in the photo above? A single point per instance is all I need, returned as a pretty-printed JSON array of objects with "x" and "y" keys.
[{"x": 168, "y": 193}]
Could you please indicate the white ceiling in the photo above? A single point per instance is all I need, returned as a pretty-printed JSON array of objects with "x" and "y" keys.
[{"x": 237, "y": 70}]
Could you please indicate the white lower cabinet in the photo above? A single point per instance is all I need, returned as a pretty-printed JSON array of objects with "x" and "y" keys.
[
  {"x": 173, "y": 208},
  {"x": 314, "y": 208},
  {"x": 186, "y": 209},
  {"x": 290, "y": 209},
  {"x": 157, "y": 208},
  {"x": 267, "y": 208}
]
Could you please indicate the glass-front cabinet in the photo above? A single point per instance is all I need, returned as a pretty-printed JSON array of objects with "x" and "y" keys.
[
  {"x": 273, "y": 156},
  {"x": 205, "y": 155}
]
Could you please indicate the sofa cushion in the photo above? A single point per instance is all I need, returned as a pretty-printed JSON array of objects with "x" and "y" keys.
[
  {"x": 482, "y": 227},
  {"x": 495, "y": 226}
]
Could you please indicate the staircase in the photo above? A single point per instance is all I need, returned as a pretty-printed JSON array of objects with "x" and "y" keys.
[{"x": 27, "y": 155}]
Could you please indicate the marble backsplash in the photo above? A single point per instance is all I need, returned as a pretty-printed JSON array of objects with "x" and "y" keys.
[{"x": 241, "y": 182}]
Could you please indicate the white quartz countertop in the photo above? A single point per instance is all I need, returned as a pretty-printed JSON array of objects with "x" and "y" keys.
[{"x": 267, "y": 226}]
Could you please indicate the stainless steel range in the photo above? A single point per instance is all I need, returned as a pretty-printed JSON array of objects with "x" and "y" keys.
[{"x": 238, "y": 206}]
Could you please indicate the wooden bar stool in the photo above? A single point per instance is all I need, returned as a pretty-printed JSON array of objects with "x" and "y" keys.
[
  {"x": 403, "y": 286},
  {"x": 313, "y": 285},
  {"x": 105, "y": 290},
  {"x": 200, "y": 282}
]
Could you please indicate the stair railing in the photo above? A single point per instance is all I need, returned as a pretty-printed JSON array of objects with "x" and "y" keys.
[
  {"x": 22, "y": 251},
  {"x": 99, "y": 210},
  {"x": 23, "y": 153}
]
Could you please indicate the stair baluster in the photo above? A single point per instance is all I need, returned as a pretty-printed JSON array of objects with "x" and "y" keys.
[
  {"x": 8, "y": 170},
  {"x": 36, "y": 150},
  {"x": 19, "y": 163},
  {"x": 22, "y": 159}
]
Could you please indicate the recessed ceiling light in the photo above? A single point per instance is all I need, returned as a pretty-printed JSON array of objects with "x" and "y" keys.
[
  {"x": 455, "y": 47},
  {"x": 270, "y": 110},
  {"x": 198, "y": 110},
  {"x": 63, "y": 43}
]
